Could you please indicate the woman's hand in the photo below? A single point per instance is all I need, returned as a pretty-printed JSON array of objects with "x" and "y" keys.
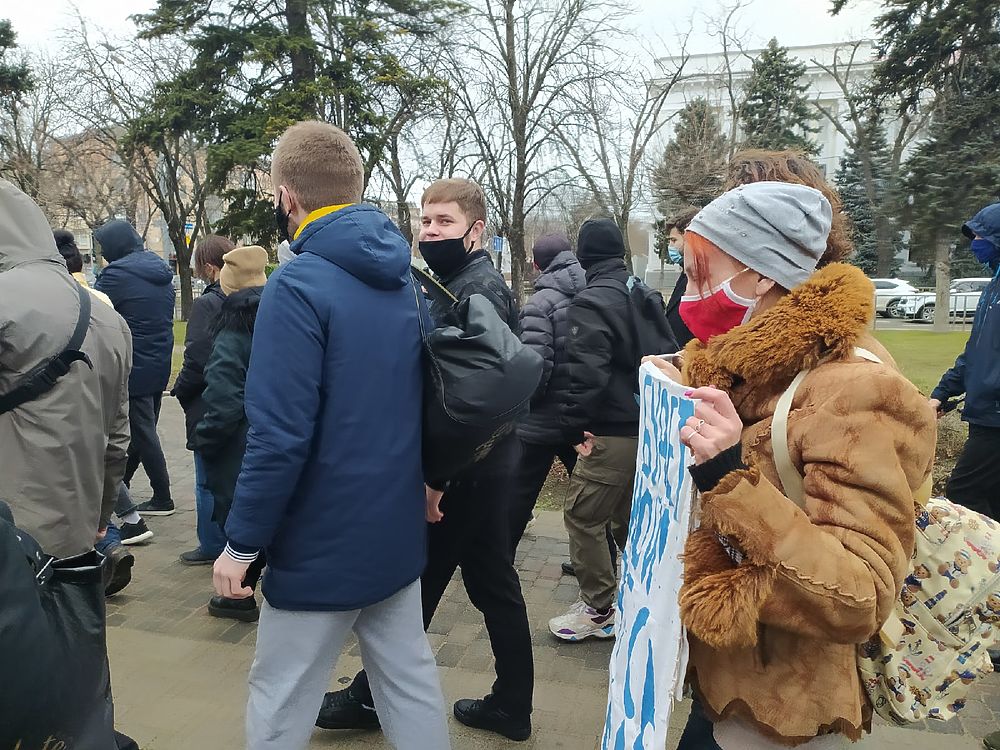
[{"x": 714, "y": 427}]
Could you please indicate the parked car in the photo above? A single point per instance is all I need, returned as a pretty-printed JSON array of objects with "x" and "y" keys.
[
  {"x": 963, "y": 296},
  {"x": 888, "y": 293}
]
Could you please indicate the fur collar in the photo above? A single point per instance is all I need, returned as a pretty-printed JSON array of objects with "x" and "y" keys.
[{"x": 821, "y": 319}]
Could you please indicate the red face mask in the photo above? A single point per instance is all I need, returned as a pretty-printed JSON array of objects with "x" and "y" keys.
[{"x": 718, "y": 313}]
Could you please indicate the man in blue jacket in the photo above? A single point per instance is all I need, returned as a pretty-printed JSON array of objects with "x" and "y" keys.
[
  {"x": 975, "y": 480},
  {"x": 141, "y": 288},
  {"x": 331, "y": 485}
]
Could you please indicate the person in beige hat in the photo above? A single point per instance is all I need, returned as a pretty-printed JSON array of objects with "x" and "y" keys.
[
  {"x": 243, "y": 268},
  {"x": 220, "y": 437}
]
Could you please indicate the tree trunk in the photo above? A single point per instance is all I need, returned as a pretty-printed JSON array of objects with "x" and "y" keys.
[
  {"x": 883, "y": 242},
  {"x": 175, "y": 231},
  {"x": 622, "y": 222},
  {"x": 302, "y": 59},
  {"x": 942, "y": 272}
]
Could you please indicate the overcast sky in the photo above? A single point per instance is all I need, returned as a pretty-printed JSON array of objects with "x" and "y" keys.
[{"x": 793, "y": 22}]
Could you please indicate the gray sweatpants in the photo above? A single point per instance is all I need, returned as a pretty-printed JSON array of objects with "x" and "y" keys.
[{"x": 297, "y": 651}]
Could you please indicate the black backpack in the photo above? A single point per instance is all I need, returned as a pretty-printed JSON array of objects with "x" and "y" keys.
[
  {"x": 478, "y": 380},
  {"x": 648, "y": 316}
]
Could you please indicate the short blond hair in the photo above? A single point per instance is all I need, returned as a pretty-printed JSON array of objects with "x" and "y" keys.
[
  {"x": 467, "y": 194},
  {"x": 320, "y": 163}
]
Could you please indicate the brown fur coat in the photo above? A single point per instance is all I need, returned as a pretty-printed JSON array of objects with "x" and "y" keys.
[{"x": 773, "y": 639}]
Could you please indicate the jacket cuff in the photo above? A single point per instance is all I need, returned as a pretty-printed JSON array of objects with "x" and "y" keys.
[
  {"x": 707, "y": 475},
  {"x": 241, "y": 553},
  {"x": 941, "y": 394}
]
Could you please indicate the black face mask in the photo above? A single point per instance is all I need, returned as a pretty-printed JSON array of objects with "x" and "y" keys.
[
  {"x": 281, "y": 220},
  {"x": 445, "y": 256}
]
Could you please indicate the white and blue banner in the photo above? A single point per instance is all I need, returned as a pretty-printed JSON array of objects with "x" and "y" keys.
[{"x": 650, "y": 654}]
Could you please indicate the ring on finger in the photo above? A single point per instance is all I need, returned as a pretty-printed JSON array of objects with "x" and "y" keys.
[{"x": 697, "y": 427}]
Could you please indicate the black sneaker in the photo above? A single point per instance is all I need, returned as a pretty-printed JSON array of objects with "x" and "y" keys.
[
  {"x": 341, "y": 710},
  {"x": 485, "y": 714},
  {"x": 197, "y": 557},
  {"x": 244, "y": 610},
  {"x": 135, "y": 533},
  {"x": 568, "y": 569},
  {"x": 153, "y": 508},
  {"x": 119, "y": 575}
]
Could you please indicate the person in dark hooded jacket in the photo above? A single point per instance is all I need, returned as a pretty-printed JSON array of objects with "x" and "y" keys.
[
  {"x": 975, "y": 480},
  {"x": 190, "y": 383},
  {"x": 140, "y": 286},
  {"x": 220, "y": 436},
  {"x": 545, "y": 328}
]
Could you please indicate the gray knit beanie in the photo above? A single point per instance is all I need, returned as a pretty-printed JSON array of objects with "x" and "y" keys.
[{"x": 778, "y": 229}]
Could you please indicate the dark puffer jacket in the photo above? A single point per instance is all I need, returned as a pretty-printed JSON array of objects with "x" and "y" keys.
[
  {"x": 478, "y": 276},
  {"x": 603, "y": 367},
  {"x": 545, "y": 328},
  {"x": 140, "y": 286},
  {"x": 220, "y": 436},
  {"x": 190, "y": 381}
]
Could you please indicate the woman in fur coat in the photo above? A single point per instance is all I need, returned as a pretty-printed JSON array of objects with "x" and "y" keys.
[{"x": 776, "y": 597}]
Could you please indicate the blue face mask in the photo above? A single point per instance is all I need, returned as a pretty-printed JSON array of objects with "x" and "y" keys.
[
  {"x": 985, "y": 251},
  {"x": 675, "y": 257}
]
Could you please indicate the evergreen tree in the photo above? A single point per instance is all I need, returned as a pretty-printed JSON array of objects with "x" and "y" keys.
[
  {"x": 864, "y": 208},
  {"x": 776, "y": 114},
  {"x": 260, "y": 66},
  {"x": 15, "y": 77},
  {"x": 693, "y": 166},
  {"x": 956, "y": 170}
]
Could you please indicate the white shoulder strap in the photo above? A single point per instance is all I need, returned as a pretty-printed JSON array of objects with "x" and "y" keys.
[{"x": 789, "y": 476}]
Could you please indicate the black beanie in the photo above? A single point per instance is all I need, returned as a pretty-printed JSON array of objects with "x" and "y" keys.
[
  {"x": 600, "y": 239},
  {"x": 547, "y": 247}
]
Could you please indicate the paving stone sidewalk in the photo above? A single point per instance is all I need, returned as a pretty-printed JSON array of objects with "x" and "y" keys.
[{"x": 179, "y": 675}]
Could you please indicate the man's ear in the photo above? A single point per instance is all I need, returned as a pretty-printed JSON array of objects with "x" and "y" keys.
[{"x": 476, "y": 233}]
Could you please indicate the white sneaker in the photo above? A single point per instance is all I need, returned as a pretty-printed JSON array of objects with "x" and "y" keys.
[{"x": 583, "y": 621}]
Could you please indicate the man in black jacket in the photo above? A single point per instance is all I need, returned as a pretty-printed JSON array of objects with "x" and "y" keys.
[
  {"x": 469, "y": 521},
  {"x": 545, "y": 328},
  {"x": 676, "y": 227},
  {"x": 190, "y": 385},
  {"x": 601, "y": 419}
]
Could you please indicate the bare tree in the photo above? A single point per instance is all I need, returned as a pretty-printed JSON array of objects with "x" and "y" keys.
[
  {"x": 512, "y": 80},
  {"x": 607, "y": 144},
  {"x": 117, "y": 91},
  {"x": 857, "y": 126},
  {"x": 734, "y": 44},
  {"x": 30, "y": 127}
]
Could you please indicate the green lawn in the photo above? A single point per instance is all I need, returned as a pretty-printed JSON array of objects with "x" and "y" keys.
[
  {"x": 923, "y": 356},
  {"x": 180, "y": 328}
]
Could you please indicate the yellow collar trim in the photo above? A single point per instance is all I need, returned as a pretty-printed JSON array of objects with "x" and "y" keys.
[{"x": 319, "y": 213}]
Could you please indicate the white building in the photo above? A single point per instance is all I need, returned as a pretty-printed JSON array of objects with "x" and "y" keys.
[{"x": 706, "y": 76}]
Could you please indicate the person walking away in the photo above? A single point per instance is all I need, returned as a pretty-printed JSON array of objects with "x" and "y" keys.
[
  {"x": 133, "y": 529},
  {"x": 600, "y": 419},
  {"x": 545, "y": 328},
  {"x": 975, "y": 480},
  {"x": 332, "y": 475},
  {"x": 190, "y": 384},
  {"x": 676, "y": 227},
  {"x": 221, "y": 433},
  {"x": 777, "y": 595},
  {"x": 64, "y": 450},
  {"x": 470, "y": 521},
  {"x": 140, "y": 286}
]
